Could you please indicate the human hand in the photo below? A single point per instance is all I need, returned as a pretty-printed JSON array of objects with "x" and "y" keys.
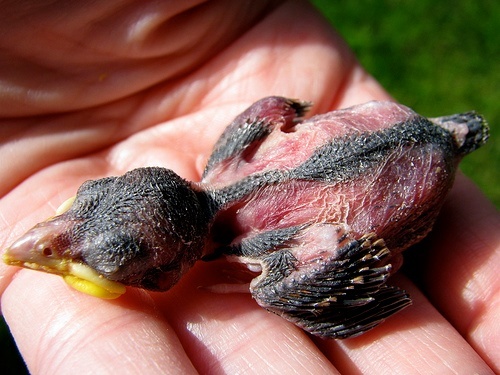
[{"x": 99, "y": 91}]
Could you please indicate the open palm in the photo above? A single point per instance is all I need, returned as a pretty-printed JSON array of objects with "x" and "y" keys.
[{"x": 96, "y": 90}]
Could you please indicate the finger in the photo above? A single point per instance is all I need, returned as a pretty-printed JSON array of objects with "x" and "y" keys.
[
  {"x": 58, "y": 330},
  {"x": 309, "y": 61},
  {"x": 416, "y": 340},
  {"x": 229, "y": 333},
  {"x": 101, "y": 53},
  {"x": 462, "y": 275},
  {"x": 32, "y": 144}
]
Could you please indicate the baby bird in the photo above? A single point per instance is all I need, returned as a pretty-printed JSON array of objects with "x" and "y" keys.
[{"x": 320, "y": 209}]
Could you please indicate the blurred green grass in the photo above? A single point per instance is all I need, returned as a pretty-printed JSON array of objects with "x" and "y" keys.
[{"x": 437, "y": 57}]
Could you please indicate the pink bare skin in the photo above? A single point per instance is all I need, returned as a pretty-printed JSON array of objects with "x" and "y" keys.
[{"x": 96, "y": 90}]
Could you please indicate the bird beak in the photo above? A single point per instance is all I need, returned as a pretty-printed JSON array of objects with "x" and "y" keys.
[{"x": 38, "y": 250}]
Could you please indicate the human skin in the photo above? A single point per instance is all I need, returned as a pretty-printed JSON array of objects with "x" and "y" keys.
[{"x": 92, "y": 92}]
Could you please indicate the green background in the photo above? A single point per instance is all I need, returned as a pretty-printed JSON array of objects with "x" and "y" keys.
[{"x": 438, "y": 58}]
